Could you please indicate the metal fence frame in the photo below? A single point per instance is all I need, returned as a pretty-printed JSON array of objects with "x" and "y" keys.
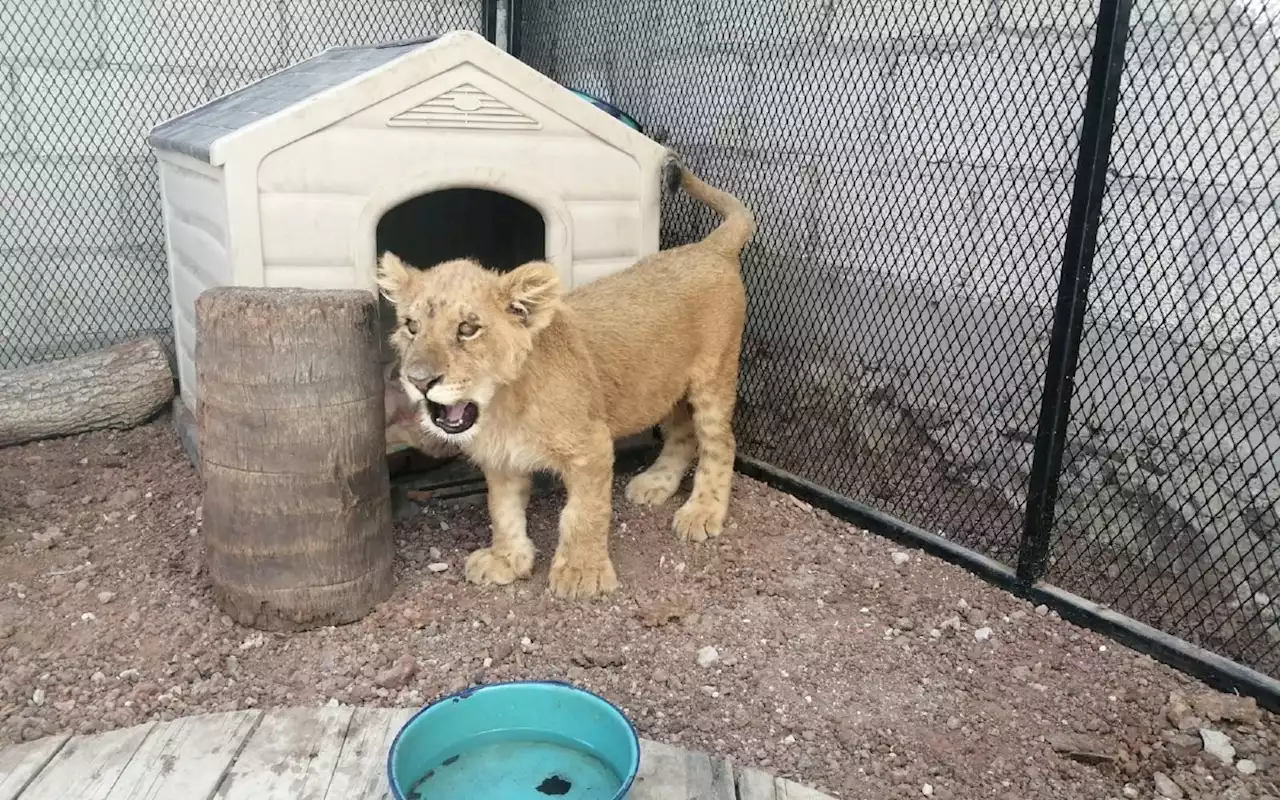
[{"x": 1027, "y": 578}]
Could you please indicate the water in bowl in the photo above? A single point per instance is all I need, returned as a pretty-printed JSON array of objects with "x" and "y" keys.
[{"x": 517, "y": 765}]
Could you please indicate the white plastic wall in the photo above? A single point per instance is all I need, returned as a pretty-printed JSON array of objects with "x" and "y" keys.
[{"x": 197, "y": 240}]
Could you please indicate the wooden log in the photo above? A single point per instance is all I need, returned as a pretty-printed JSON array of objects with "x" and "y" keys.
[
  {"x": 297, "y": 506},
  {"x": 117, "y": 387}
]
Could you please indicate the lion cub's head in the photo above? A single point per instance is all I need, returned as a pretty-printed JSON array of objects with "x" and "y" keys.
[{"x": 463, "y": 332}]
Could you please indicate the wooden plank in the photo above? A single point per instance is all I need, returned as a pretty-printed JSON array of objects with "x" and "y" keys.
[
  {"x": 787, "y": 790},
  {"x": 88, "y": 766},
  {"x": 361, "y": 771},
  {"x": 186, "y": 757},
  {"x": 671, "y": 773},
  {"x": 722, "y": 783},
  {"x": 290, "y": 756},
  {"x": 19, "y": 765},
  {"x": 756, "y": 785}
]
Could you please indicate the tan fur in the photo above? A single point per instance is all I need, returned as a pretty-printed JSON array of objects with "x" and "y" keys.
[{"x": 558, "y": 378}]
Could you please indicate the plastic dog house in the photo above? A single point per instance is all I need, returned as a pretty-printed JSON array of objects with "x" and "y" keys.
[{"x": 435, "y": 149}]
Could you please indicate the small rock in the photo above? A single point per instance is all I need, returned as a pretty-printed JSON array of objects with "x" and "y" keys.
[
  {"x": 106, "y": 597},
  {"x": 982, "y": 634},
  {"x": 899, "y": 558},
  {"x": 599, "y": 658},
  {"x": 434, "y": 553},
  {"x": 1217, "y": 707},
  {"x": 38, "y": 697},
  {"x": 123, "y": 498},
  {"x": 904, "y": 624},
  {"x": 437, "y": 566},
  {"x": 1022, "y": 672},
  {"x": 98, "y": 677},
  {"x": 1043, "y": 610},
  {"x": 444, "y": 526},
  {"x": 130, "y": 675},
  {"x": 88, "y": 616},
  {"x": 708, "y": 657},
  {"x": 1246, "y": 766},
  {"x": 953, "y": 723},
  {"x": 501, "y": 651},
  {"x": 927, "y": 790},
  {"x": 38, "y": 499},
  {"x": 1129, "y": 790},
  {"x": 1178, "y": 712},
  {"x": 1080, "y": 747},
  {"x": 1218, "y": 745},
  {"x": 1166, "y": 787},
  {"x": 398, "y": 675}
]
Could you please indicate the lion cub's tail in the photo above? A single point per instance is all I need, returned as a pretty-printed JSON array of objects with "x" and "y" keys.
[{"x": 739, "y": 223}]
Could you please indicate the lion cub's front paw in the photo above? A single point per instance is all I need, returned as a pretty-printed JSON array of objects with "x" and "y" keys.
[
  {"x": 652, "y": 488},
  {"x": 698, "y": 521},
  {"x": 579, "y": 581},
  {"x": 489, "y": 567}
]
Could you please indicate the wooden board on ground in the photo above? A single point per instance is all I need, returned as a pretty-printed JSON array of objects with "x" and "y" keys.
[
  {"x": 19, "y": 765},
  {"x": 756, "y": 785},
  {"x": 361, "y": 770},
  {"x": 87, "y": 766},
  {"x": 667, "y": 773},
  {"x": 788, "y": 790},
  {"x": 330, "y": 753},
  {"x": 290, "y": 756},
  {"x": 193, "y": 753}
]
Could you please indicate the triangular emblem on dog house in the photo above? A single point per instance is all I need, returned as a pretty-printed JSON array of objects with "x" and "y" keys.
[{"x": 464, "y": 107}]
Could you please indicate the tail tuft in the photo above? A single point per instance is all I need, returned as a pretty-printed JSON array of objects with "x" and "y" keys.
[{"x": 672, "y": 172}]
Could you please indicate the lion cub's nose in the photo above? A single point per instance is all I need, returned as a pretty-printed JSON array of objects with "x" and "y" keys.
[{"x": 422, "y": 380}]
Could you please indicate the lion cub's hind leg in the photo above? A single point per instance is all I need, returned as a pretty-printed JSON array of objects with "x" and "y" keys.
[
  {"x": 511, "y": 554},
  {"x": 662, "y": 479},
  {"x": 703, "y": 514}
]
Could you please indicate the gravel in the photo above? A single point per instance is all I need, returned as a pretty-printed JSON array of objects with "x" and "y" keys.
[{"x": 835, "y": 665}]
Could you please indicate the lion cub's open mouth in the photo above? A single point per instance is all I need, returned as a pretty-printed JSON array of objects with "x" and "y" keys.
[{"x": 457, "y": 418}]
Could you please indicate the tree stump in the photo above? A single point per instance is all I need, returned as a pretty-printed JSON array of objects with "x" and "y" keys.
[
  {"x": 297, "y": 506},
  {"x": 116, "y": 387}
]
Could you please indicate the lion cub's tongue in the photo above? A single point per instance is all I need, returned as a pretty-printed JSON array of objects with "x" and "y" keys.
[{"x": 454, "y": 413}]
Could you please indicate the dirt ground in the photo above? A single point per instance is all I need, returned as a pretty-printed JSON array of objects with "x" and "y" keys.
[{"x": 840, "y": 660}]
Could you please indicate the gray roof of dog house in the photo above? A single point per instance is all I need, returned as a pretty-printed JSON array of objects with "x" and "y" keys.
[{"x": 194, "y": 133}]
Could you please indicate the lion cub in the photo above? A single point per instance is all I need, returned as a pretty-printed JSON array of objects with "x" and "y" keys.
[{"x": 524, "y": 377}]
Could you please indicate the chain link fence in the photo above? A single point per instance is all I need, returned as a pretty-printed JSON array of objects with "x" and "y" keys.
[
  {"x": 82, "y": 260},
  {"x": 913, "y": 167}
]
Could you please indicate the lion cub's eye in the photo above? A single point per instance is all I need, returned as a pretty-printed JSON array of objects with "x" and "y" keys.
[
  {"x": 468, "y": 330},
  {"x": 411, "y": 325}
]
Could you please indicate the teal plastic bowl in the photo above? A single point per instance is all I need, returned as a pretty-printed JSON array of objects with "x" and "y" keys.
[{"x": 539, "y": 740}]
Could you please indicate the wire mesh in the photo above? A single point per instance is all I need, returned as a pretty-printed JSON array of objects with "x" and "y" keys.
[
  {"x": 911, "y": 165},
  {"x": 82, "y": 261},
  {"x": 1169, "y": 501}
]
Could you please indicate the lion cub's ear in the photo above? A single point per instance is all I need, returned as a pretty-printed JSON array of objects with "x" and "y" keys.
[
  {"x": 393, "y": 276},
  {"x": 532, "y": 293}
]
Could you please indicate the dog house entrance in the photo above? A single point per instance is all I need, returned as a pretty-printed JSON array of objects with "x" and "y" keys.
[{"x": 495, "y": 229}]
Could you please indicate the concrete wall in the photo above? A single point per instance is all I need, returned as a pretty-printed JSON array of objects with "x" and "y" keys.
[
  {"x": 911, "y": 164},
  {"x": 81, "y": 82}
]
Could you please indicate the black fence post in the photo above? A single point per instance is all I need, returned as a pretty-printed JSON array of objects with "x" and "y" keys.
[
  {"x": 515, "y": 12},
  {"x": 1101, "y": 99},
  {"x": 489, "y": 19}
]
